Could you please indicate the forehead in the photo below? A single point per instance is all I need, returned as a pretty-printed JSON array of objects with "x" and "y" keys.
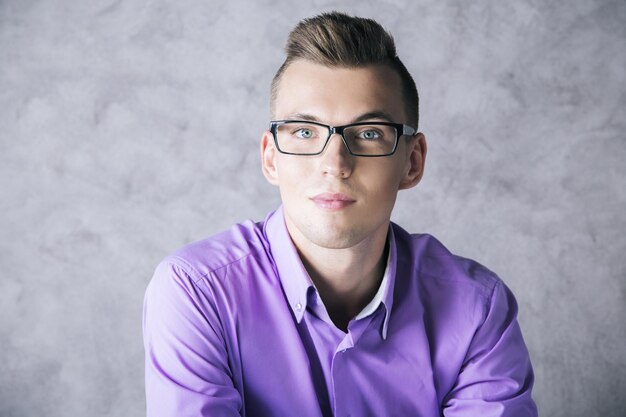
[{"x": 338, "y": 95}]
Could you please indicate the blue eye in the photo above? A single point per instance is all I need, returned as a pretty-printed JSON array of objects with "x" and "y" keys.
[
  {"x": 369, "y": 135},
  {"x": 304, "y": 133}
]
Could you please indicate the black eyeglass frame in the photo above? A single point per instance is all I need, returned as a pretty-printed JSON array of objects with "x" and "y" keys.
[{"x": 401, "y": 130}]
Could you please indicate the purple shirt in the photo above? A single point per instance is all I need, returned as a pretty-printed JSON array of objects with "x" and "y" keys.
[{"x": 233, "y": 326}]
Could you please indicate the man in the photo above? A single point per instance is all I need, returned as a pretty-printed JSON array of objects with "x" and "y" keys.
[{"x": 327, "y": 308}]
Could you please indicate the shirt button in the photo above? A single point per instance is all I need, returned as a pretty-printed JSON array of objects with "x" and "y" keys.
[{"x": 298, "y": 307}]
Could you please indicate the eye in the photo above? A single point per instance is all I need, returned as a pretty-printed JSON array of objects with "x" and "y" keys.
[
  {"x": 369, "y": 135},
  {"x": 303, "y": 133}
]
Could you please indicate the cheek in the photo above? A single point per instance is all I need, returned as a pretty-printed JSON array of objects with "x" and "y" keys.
[
  {"x": 292, "y": 173},
  {"x": 382, "y": 178}
]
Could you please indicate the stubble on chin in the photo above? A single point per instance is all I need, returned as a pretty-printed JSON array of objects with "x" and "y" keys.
[{"x": 330, "y": 235}]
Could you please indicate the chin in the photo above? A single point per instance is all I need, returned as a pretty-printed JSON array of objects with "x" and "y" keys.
[
  {"x": 334, "y": 242},
  {"x": 332, "y": 235},
  {"x": 331, "y": 229}
]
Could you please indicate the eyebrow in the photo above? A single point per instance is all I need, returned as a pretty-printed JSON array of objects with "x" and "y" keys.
[{"x": 377, "y": 114}]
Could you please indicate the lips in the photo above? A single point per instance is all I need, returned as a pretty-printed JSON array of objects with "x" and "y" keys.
[{"x": 332, "y": 201}]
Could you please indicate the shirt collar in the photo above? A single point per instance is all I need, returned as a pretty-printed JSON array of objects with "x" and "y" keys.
[
  {"x": 296, "y": 281},
  {"x": 390, "y": 276},
  {"x": 293, "y": 276},
  {"x": 378, "y": 297}
]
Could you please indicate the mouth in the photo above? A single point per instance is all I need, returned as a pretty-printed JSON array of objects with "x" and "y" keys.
[{"x": 332, "y": 201}]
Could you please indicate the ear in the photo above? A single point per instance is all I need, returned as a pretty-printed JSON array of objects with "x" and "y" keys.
[
  {"x": 416, "y": 159},
  {"x": 268, "y": 158}
]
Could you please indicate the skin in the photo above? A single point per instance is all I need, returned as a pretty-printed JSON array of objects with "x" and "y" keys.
[{"x": 344, "y": 251}]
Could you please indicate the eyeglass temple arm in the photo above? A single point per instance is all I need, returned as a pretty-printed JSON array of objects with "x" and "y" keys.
[{"x": 408, "y": 130}]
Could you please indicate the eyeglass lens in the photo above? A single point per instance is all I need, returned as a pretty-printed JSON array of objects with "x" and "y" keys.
[{"x": 303, "y": 138}]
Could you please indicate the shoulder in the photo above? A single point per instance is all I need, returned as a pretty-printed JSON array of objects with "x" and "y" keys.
[
  {"x": 200, "y": 259},
  {"x": 470, "y": 318},
  {"x": 436, "y": 266}
]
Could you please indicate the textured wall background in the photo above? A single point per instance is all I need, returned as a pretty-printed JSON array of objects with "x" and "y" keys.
[{"x": 129, "y": 128}]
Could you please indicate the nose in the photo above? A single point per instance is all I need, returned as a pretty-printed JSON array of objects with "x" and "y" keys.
[{"x": 336, "y": 160}]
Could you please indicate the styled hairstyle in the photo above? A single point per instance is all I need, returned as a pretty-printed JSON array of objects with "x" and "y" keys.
[{"x": 338, "y": 40}]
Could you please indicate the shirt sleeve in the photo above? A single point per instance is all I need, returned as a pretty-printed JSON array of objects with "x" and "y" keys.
[
  {"x": 497, "y": 377},
  {"x": 186, "y": 361}
]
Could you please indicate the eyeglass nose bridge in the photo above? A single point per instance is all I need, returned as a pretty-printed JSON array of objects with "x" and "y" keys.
[{"x": 339, "y": 131}]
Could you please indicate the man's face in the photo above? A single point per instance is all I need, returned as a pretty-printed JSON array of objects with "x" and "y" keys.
[{"x": 336, "y": 200}]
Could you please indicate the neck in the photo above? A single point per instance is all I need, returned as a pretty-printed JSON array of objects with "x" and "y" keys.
[{"x": 347, "y": 279}]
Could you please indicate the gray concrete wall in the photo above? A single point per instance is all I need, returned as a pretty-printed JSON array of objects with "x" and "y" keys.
[{"x": 129, "y": 128}]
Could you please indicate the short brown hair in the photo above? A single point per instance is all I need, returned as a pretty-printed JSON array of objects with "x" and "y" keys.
[{"x": 338, "y": 40}]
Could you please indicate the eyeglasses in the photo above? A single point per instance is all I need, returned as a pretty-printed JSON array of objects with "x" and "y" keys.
[{"x": 371, "y": 139}]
